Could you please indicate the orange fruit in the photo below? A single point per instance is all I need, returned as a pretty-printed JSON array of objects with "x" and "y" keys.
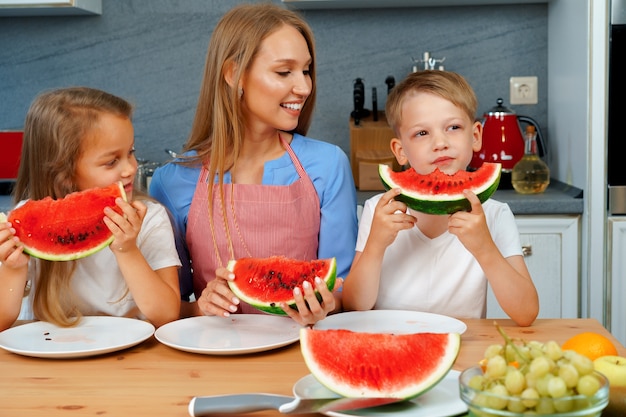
[{"x": 590, "y": 344}]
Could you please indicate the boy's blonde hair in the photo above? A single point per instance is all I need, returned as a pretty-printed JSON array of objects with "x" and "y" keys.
[
  {"x": 55, "y": 126},
  {"x": 448, "y": 85}
]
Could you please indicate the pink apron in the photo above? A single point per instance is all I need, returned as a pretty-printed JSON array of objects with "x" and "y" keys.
[{"x": 268, "y": 220}]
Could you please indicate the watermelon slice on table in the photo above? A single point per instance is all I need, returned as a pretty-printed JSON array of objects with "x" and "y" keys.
[
  {"x": 265, "y": 282},
  {"x": 68, "y": 228},
  {"x": 359, "y": 364},
  {"x": 438, "y": 192}
]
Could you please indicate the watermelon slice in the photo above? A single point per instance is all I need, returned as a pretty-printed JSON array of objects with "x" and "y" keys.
[
  {"x": 440, "y": 193},
  {"x": 68, "y": 228},
  {"x": 265, "y": 282},
  {"x": 358, "y": 364}
]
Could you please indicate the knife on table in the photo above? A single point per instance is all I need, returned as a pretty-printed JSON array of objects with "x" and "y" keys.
[{"x": 249, "y": 403}]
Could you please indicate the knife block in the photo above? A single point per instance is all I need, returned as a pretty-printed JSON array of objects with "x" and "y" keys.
[{"x": 369, "y": 146}]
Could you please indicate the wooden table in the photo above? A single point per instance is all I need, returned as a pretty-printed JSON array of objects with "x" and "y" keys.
[{"x": 152, "y": 379}]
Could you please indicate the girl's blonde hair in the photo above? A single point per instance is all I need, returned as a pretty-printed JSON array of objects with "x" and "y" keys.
[
  {"x": 448, "y": 85},
  {"x": 218, "y": 128},
  {"x": 55, "y": 126}
]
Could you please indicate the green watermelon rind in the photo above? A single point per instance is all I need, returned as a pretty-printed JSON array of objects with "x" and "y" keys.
[
  {"x": 443, "y": 203},
  {"x": 412, "y": 391},
  {"x": 74, "y": 255},
  {"x": 273, "y": 307}
]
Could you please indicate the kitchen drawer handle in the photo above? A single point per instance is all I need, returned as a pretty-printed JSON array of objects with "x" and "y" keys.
[{"x": 527, "y": 250}]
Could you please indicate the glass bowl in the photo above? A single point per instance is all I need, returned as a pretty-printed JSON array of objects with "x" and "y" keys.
[{"x": 577, "y": 406}]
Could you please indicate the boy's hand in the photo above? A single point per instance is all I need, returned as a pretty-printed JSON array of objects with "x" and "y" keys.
[
  {"x": 470, "y": 227},
  {"x": 390, "y": 217}
]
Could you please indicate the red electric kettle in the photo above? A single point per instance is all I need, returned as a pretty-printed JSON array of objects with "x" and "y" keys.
[{"x": 503, "y": 140}]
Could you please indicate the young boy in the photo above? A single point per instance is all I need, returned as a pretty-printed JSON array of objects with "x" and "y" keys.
[{"x": 408, "y": 260}]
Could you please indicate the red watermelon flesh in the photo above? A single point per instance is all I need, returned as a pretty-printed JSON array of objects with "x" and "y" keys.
[
  {"x": 441, "y": 193},
  {"x": 68, "y": 228},
  {"x": 265, "y": 282},
  {"x": 357, "y": 364}
]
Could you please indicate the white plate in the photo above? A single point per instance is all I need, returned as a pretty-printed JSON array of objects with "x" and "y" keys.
[
  {"x": 92, "y": 336},
  {"x": 442, "y": 400},
  {"x": 392, "y": 321},
  {"x": 237, "y": 334}
]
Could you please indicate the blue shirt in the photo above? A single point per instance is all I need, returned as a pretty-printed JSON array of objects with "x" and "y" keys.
[{"x": 326, "y": 165}]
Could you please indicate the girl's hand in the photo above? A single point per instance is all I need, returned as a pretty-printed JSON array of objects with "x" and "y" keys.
[
  {"x": 315, "y": 310},
  {"x": 471, "y": 227},
  {"x": 390, "y": 216},
  {"x": 217, "y": 299},
  {"x": 11, "y": 251},
  {"x": 126, "y": 226}
]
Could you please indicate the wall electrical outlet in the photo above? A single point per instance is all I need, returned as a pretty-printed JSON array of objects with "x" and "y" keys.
[{"x": 523, "y": 90}]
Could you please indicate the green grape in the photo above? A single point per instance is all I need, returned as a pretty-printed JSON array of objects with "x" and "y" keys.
[
  {"x": 542, "y": 385},
  {"x": 535, "y": 349},
  {"x": 514, "y": 380},
  {"x": 530, "y": 397},
  {"x": 540, "y": 366},
  {"x": 509, "y": 353},
  {"x": 545, "y": 406},
  {"x": 515, "y": 405},
  {"x": 498, "y": 401},
  {"x": 476, "y": 382},
  {"x": 583, "y": 364},
  {"x": 569, "y": 374},
  {"x": 531, "y": 380},
  {"x": 493, "y": 350},
  {"x": 588, "y": 385},
  {"x": 553, "y": 350},
  {"x": 563, "y": 405},
  {"x": 557, "y": 387},
  {"x": 496, "y": 367}
]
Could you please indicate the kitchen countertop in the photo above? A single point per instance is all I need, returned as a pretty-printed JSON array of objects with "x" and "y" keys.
[{"x": 559, "y": 198}]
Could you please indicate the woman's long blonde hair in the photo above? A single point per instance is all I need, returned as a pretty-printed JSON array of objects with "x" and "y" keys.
[
  {"x": 55, "y": 126},
  {"x": 219, "y": 123}
]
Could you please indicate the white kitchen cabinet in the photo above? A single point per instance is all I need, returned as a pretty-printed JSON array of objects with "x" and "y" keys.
[
  {"x": 616, "y": 307},
  {"x": 50, "y": 7},
  {"x": 551, "y": 246}
]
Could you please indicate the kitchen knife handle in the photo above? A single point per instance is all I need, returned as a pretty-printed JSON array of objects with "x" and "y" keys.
[{"x": 235, "y": 404}]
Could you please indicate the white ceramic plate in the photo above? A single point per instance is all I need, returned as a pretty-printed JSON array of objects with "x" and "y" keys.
[
  {"x": 92, "y": 336},
  {"x": 237, "y": 334},
  {"x": 442, "y": 400},
  {"x": 392, "y": 321}
]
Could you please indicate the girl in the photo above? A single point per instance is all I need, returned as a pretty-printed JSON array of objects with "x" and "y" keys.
[
  {"x": 251, "y": 183},
  {"x": 75, "y": 139}
]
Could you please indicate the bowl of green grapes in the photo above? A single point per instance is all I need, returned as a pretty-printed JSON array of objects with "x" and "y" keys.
[{"x": 522, "y": 378}]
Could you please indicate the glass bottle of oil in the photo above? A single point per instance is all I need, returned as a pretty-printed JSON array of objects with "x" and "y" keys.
[{"x": 530, "y": 175}]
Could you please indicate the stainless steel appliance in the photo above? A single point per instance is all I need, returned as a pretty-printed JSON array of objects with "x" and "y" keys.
[{"x": 617, "y": 109}]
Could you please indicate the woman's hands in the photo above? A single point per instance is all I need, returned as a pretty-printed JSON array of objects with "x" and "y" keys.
[{"x": 218, "y": 299}]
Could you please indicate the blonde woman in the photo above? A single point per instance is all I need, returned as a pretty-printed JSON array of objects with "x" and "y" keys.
[
  {"x": 250, "y": 184},
  {"x": 76, "y": 139}
]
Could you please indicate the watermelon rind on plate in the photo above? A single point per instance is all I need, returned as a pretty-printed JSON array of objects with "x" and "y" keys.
[
  {"x": 67, "y": 228},
  {"x": 441, "y": 193},
  {"x": 361, "y": 364},
  {"x": 265, "y": 282}
]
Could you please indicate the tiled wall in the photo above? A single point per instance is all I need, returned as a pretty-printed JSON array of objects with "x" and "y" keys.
[{"x": 152, "y": 52}]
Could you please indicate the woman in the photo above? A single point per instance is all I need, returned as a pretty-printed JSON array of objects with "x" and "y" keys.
[{"x": 273, "y": 190}]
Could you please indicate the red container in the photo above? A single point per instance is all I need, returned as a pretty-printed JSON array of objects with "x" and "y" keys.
[{"x": 11, "y": 145}]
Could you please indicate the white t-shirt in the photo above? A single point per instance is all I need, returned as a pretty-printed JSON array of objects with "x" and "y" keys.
[
  {"x": 438, "y": 275},
  {"x": 98, "y": 282}
]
